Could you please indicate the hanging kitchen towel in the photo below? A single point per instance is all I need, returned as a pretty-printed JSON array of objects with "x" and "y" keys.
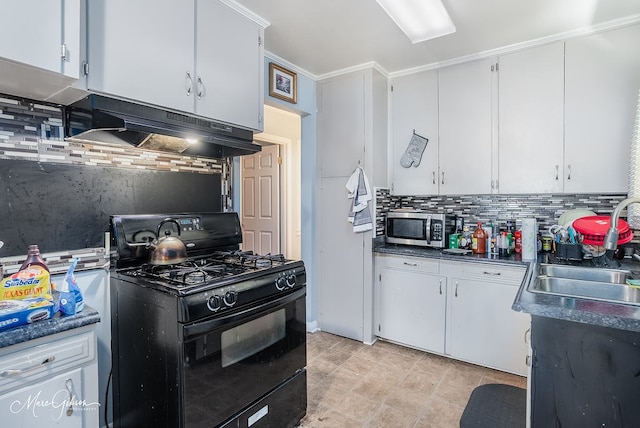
[
  {"x": 360, "y": 194},
  {"x": 414, "y": 151}
]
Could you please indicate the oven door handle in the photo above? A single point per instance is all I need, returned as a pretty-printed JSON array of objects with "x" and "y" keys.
[{"x": 209, "y": 325}]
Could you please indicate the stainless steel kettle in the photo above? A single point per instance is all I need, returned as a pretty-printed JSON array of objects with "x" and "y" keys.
[{"x": 167, "y": 250}]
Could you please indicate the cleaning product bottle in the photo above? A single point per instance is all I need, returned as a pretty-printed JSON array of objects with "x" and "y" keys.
[
  {"x": 34, "y": 258},
  {"x": 479, "y": 240}
]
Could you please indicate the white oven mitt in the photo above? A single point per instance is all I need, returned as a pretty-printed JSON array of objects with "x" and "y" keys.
[{"x": 415, "y": 149}]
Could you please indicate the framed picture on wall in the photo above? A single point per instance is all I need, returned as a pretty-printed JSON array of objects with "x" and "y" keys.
[{"x": 283, "y": 83}]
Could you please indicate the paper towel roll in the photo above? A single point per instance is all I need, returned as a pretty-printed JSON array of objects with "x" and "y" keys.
[{"x": 529, "y": 239}]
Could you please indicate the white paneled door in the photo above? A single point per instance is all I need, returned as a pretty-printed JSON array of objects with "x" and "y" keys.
[{"x": 260, "y": 211}]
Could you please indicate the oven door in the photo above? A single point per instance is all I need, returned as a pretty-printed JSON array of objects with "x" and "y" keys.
[{"x": 234, "y": 360}]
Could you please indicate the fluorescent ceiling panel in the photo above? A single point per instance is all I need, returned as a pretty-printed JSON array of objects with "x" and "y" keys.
[{"x": 420, "y": 20}]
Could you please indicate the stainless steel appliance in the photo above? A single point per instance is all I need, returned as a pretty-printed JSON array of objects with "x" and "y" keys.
[
  {"x": 419, "y": 228},
  {"x": 218, "y": 340}
]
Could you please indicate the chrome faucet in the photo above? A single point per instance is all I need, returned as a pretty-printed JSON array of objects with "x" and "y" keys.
[{"x": 611, "y": 237}]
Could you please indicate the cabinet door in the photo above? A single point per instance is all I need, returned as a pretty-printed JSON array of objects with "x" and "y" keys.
[
  {"x": 482, "y": 327},
  {"x": 602, "y": 81},
  {"x": 531, "y": 126},
  {"x": 34, "y": 31},
  {"x": 414, "y": 108},
  {"x": 341, "y": 125},
  {"x": 465, "y": 128},
  {"x": 229, "y": 66},
  {"x": 143, "y": 51},
  {"x": 52, "y": 402},
  {"x": 341, "y": 264},
  {"x": 412, "y": 308}
]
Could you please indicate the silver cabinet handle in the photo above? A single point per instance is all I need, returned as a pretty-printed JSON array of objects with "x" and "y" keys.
[
  {"x": 13, "y": 372},
  {"x": 527, "y": 361},
  {"x": 492, "y": 273},
  {"x": 569, "y": 172},
  {"x": 527, "y": 336},
  {"x": 410, "y": 264},
  {"x": 440, "y": 287},
  {"x": 188, "y": 83},
  {"x": 442, "y": 177},
  {"x": 456, "y": 293},
  {"x": 200, "y": 88},
  {"x": 68, "y": 384},
  {"x": 434, "y": 177}
]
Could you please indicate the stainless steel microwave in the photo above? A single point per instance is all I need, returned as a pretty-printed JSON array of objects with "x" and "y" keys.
[{"x": 419, "y": 228}]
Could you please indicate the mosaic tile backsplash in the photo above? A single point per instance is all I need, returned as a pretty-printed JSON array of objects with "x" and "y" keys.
[{"x": 546, "y": 209}]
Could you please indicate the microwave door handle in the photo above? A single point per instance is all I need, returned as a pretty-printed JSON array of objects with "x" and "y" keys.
[{"x": 428, "y": 234}]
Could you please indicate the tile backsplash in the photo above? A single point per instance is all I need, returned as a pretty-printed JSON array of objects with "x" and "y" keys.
[
  {"x": 546, "y": 208},
  {"x": 31, "y": 130}
]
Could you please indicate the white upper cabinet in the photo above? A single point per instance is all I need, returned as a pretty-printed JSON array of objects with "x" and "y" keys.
[
  {"x": 46, "y": 34},
  {"x": 465, "y": 107},
  {"x": 143, "y": 53},
  {"x": 44, "y": 51},
  {"x": 414, "y": 108},
  {"x": 531, "y": 120},
  {"x": 196, "y": 56},
  {"x": 341, "y": 124},
  {"x": 602, "y": 83},
  {"x": 229, "y": 66}
]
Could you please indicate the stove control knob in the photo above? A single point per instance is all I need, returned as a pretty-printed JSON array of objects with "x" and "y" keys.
[
  {"x": 281, "y": 283},
  {"x": 230, "y": 297},
  {"x": 291, "y": 280},
  {"x": 214, "y": 303}
]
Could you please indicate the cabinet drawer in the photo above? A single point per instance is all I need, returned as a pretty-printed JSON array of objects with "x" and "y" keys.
[
  {"x": 45, "y": 359},
  {"x": 409, "y": 263},
  {"x": 494, "y": 273}
]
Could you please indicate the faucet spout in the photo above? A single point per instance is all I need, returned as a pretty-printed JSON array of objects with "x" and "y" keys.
[{"x": 611, "y": 237}]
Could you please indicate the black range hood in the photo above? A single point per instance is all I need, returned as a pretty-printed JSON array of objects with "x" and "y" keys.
[{"x": 97, "y": 118}]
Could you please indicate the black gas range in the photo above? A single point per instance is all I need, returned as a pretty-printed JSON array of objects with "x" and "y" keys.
[{"x": 190, "y": 338}]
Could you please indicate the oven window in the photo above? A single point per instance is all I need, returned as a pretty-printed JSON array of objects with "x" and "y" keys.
[
  {"x": 408, "y": 228},
  {"x": 252, "y": 337}
]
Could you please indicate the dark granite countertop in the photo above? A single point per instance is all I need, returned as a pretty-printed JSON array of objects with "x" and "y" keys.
[
  {"x": 57, "y": 324},
  {"x": 437, "y": 253},
  {"x": 587, "y": 311}
]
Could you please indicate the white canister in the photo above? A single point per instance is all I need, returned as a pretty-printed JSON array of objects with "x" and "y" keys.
[{"x": 529, "y": 240}]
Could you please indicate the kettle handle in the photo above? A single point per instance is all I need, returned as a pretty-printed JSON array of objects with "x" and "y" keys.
[{"x": 169, "y": 220}]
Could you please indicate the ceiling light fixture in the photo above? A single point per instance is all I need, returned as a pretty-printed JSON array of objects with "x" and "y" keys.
[{"x": 420, "y": 20}]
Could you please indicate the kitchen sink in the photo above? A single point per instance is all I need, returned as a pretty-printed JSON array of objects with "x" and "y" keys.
[
  {"x": 607, "y": 285},
  {"x": 612, "y": 276}
]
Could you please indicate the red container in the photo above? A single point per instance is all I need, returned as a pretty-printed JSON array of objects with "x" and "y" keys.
[{"x": 594, "y": 228}]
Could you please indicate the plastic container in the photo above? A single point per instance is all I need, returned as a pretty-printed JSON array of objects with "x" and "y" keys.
[{"x": 518, "y": 242}]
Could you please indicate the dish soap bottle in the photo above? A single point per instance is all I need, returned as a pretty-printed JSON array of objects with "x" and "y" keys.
[{"x": 479, "y": 240}]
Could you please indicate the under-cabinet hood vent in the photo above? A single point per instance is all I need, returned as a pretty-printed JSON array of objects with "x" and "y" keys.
[{"x": 108, "y": 120}]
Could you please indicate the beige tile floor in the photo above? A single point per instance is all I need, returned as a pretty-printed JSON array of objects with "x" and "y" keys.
[{"x": 353, "y": 385}]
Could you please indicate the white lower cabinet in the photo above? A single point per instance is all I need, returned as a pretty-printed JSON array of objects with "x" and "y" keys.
[
  {"x": 459, "y": 309},
  {"x": 481, "y": 326},
  {"x": 412, "y": 302},
  {"x": 51, "y": 381}
]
